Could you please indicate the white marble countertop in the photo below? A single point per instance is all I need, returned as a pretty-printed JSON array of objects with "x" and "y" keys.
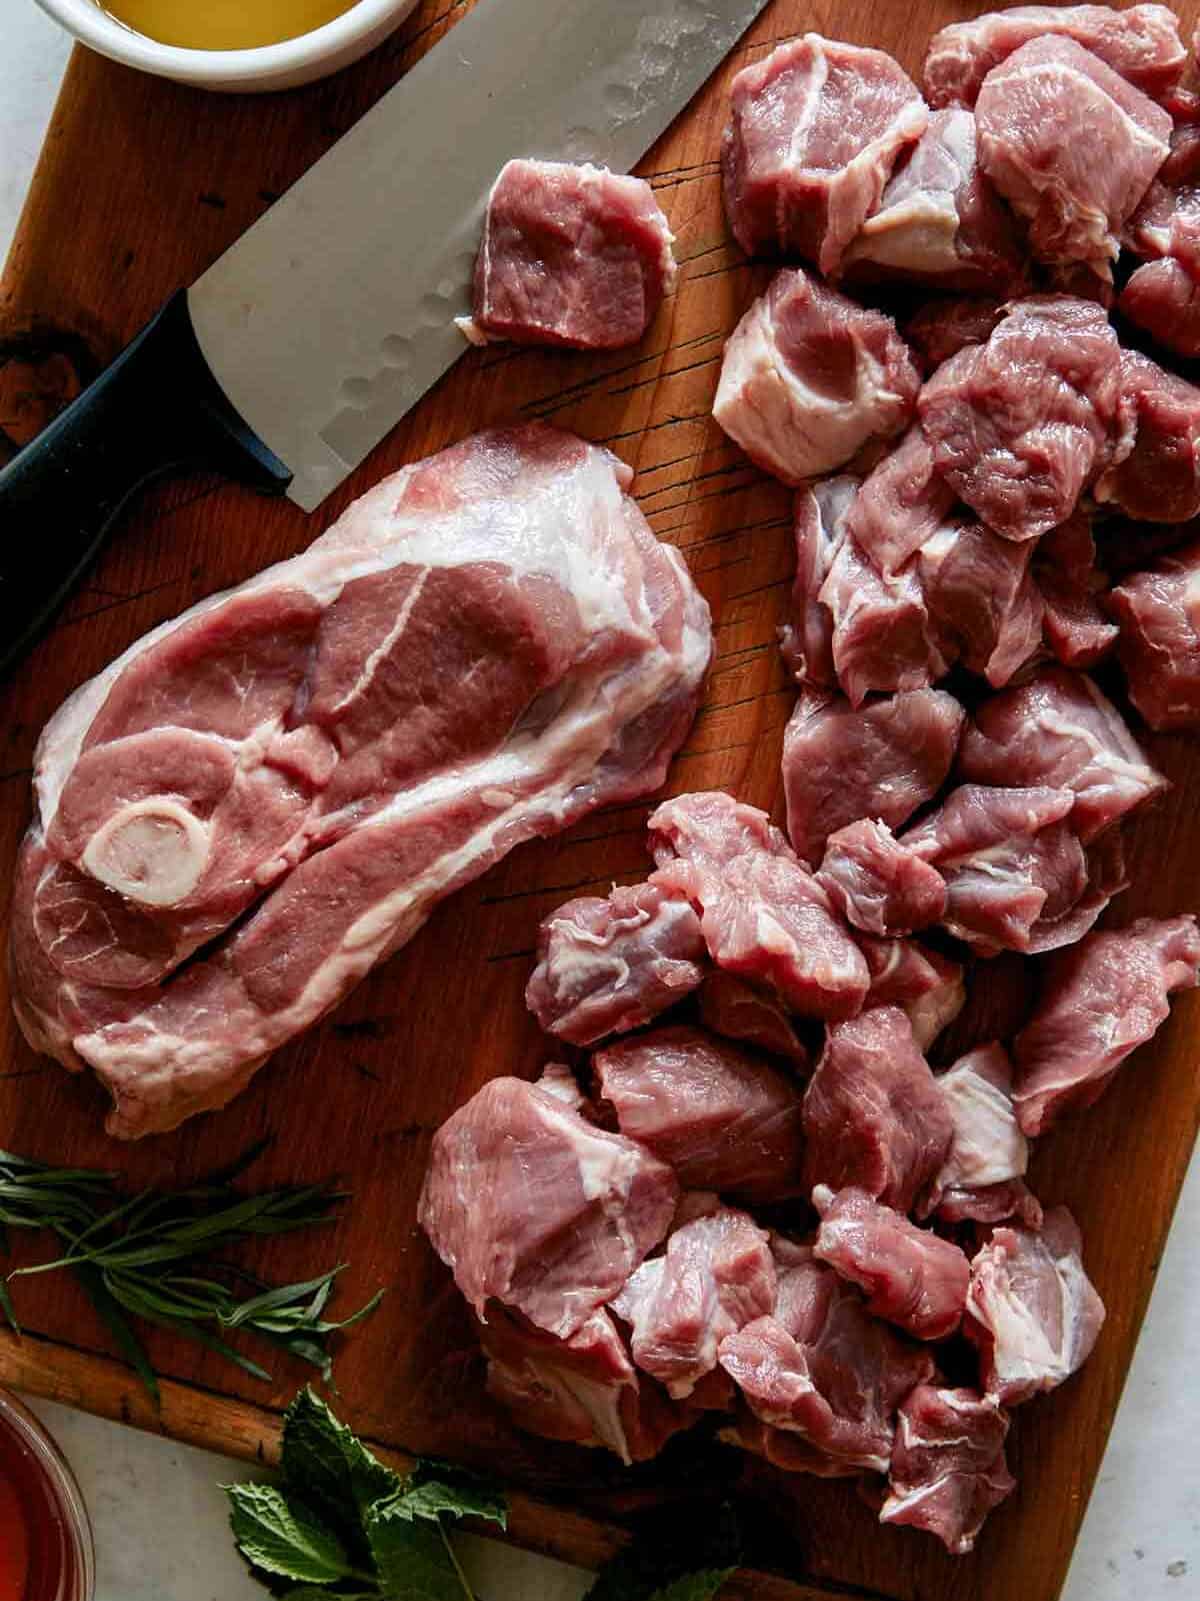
[{"x": 158, "y": 1513}]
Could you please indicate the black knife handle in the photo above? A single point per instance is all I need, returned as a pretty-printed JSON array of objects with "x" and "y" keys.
[{"x": 156, "y": 407}]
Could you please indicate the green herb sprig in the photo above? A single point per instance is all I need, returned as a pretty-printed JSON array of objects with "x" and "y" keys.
[
  {"x": 342, "y": 1525},
  {"x": 137, "y": 1257}
]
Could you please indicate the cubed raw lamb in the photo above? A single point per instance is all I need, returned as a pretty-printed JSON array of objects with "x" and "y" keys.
[
  {"x": 1159, "y": 615},
  {"x": 809, "y": 377},
  {"x": 948, "y": 1466},
  {"x": 814, "y": 131}
]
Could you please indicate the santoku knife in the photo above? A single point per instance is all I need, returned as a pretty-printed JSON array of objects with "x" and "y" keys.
[{"x": 309, "y": 339}]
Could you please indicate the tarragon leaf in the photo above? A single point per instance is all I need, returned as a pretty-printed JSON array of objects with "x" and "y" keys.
[{"x": 283, "y": 1537}]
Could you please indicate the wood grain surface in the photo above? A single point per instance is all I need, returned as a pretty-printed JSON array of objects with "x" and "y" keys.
[{"x": 140, "y": 186}]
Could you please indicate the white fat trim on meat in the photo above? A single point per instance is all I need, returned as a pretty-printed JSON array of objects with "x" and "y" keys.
[{"x": 999, "y": 1151}]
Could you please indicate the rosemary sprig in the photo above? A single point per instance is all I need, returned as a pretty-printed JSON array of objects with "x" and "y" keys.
[{"x": 136, "y": 1257}]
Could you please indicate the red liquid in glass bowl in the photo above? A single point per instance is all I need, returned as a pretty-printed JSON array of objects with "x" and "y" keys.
[{"x": 45, "y": 1539}]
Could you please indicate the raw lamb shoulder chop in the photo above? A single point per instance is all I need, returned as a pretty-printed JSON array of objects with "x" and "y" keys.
[
  {"x": 613, "y": 963},
  {"x": 571, "y": 255},
  {"x": 809, "y": 377},
  {"x": 814, "y": 131},
  {"x": 1141, "y": 43},
  {"x": 481, "y": 650}
]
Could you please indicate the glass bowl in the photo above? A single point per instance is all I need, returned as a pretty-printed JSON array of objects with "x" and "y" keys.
[{"x": 61, "y": 1556}]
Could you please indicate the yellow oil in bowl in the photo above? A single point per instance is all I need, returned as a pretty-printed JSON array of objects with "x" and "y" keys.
[{"x": 224, "y": 24}]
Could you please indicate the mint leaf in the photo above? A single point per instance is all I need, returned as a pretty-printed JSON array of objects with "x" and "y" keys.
[
  {"x": 328, "y": 1467},
  {"x": 675, "y": 1561},
  {"x": 284, "y": 1538},
  {"x": 413, "y": 1556},
  {"x": 434, "y": 1489}
]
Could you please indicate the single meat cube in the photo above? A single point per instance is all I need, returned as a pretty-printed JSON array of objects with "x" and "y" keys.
[
  {"x": 984, "y": 1171},
  {"x": 939, "y": 329},
  {"x": 1065, "y": 572},
  {"x": 901, "y": 504},
  {"x": 1166, "y": 221},
  {"x": 716, "y": 1276},
  {"x": 883, "y": 761},
  {"x": 613, "y": 963},
  {"x": 732, "y": 1008},
  {"x": 814, "y": 131},
  {"x": 1141, "y": 43},
  {"x": 1013, "y": 865},
  {"x": 940, "y": 222},
  {"x": 1159, "y": 616},
  {"x": 723, "y": 1118},
  {"x": 1031, "y": 1309},
  {"x": 1058, "y": 729},
  {"x": 763, "y": 914},
  {"x": 820, "y": 529},
  {"x": 927, "y": 986},
  {"x": 985, "y": 606},
  {"x": 1019, "y": 426},
  {"x": 571, "y": 255},
  {"x": 1157, "y": 478},
  {"x": 948, "y": 1467},
  {"x": 1163, "y": 297},
  {"x": 527, "y": 1202},
  {"x": 583, "y": 1390},
  {"x": 910, "y": 1276},
  {"x": 879, "y": 884},
  {"x": 1100, "y": 1000},
  {"x": 1042, "y": 116},
  {"x": 809, "y": 377},
  {"x": 873, "y": 1116},
  {"x": 823, "y": 1369},
  {"x": 884, "y": 639}
]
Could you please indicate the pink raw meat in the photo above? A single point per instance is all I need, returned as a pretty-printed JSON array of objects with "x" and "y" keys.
[
  {"x": 814, "y": 131},
  {"x": 610, "y": 964},
  {"x": 1031, "y": 1308},
  {"x": 983, "y": 1177},
  {"x": 1042, "y": 116},
  {"x": 1058, "y": 729},
  {"x": 1100, "y": 1000},
  {"x": 879, "y": 884},
  {"x": 738, "y": 1011},
  {"x": 1013, "y": 866},
  {"x": 1156, "y": 476},
  {"x": 881, "y": 761},
  {"x": 1019, "y": 426},
  {"x": 941, "y": 328},
  {"x": 940, "y": 223},
  {"x": 901, "y": 504},
  {"x": 884, "y": 638},
  {"x": 527, "y": 1202},
  {"x": 823, "y": 1369},
  {"x": 820, "y": 529},
  {"x": 910, "y": 1276},
  {"x": 723, "y": 1118},
  {"x": 809, "y": 377},
  {"x": 1065, "y": 572},
  {"x": 763, "y": 914},
  {"x": 948, "y": 1468},
  {"x": 716, "y": 1275},
  {"x": 873, "y": 1117},
  {"x": 1159, "y": 615},
  {"x": 985, "y": 608},
  {"x": 1163, "y": 297},
  {"x": 583, "y": 1390},
  {"x": 927, "y": 986},
  {"x": 1141, "y": 43},
  {"x": 481, "y": 650},
  {"x": 571, "y": 255}
]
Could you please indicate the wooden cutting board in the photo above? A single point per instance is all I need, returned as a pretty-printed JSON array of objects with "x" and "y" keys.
[{"x": 141, "y": 184}]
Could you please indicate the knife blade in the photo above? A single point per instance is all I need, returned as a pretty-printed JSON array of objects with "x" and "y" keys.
[
  {"x": 308, "y": 340},
  {"x": 329, "y": 319}
]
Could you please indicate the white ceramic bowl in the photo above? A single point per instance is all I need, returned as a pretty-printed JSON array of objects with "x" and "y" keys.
[{"x": 275, "y": 66}]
